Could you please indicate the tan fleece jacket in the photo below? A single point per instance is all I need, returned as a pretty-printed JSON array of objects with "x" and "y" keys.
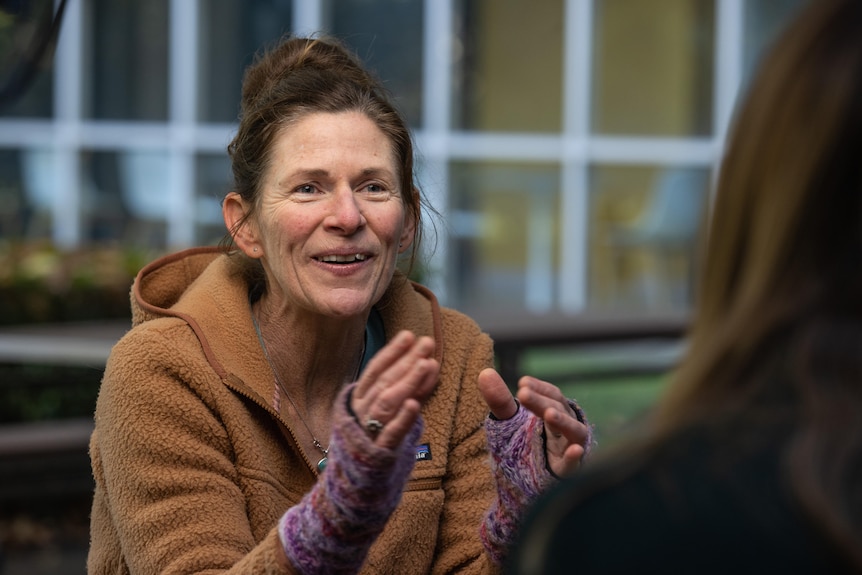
[{"x": 194, "y": 467}]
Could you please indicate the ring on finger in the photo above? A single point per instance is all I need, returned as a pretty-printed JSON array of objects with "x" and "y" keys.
[{"x": 373, "y": 426}]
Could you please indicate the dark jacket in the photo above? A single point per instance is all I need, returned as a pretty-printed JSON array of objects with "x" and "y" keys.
[{"x": 709, "y": 500}]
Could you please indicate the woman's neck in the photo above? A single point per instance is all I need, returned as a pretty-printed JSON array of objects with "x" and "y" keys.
[{"x": 313, "y": 356}]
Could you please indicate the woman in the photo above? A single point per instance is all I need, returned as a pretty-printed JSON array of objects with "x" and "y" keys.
[
  {"x": 755, "y": 461},
  {"x": 295, "y": 405}
]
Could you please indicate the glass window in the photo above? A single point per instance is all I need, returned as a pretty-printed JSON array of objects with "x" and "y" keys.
[
  {"x": 14, "y": 208},
  {"x": 387, "y": 36},
  {"x": 503, "y": 248},
  {"x": 128, "y": 60},
  {"x": 37, "y": 169},
  {"x": 653, "y": 67},
  {"x": 508, "y": 67},
  {"x": 125, "y": 197},
  {"x": 26, "y": 82},
  {"x": 231, "y": 32},
  {"x": 652, "y": 73},
  {"x": 764, "y": 20},
  {"x": 645, "y": 231}
]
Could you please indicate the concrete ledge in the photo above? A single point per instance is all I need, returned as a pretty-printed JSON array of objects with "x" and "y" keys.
[
  {"x": 74, "y": 343},
  {"x": 45, "y": 436}
]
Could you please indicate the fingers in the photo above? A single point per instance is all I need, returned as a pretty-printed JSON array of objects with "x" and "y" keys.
[
  {"x": 548, "y": 402},
  {"x": 566, "y": 437},
  {"x": 394, "y": 432},
  {"x": 390, "y": 354},
  {"x": 537, "y": 395},
  {"x": 496, "y": 394},
  {"x": 398, "y": 384},
  {"x": 558, "y": 424},
  {"x": 568, "y": 462},
  {"x": 392, "y": 388}
]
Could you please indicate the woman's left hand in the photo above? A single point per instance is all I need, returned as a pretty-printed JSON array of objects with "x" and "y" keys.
[{"x": 566, "y": 437}]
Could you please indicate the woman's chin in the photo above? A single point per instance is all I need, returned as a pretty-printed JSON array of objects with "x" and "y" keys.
[{"x": 345, "y": 307}]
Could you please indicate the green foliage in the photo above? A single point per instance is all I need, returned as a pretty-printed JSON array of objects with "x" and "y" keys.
[
  {"x": 616, "y": 385},
  {"x": 44, "y": 392},
  {"x": 616, "y": 407},
  {"x": 41, "y": 283}
]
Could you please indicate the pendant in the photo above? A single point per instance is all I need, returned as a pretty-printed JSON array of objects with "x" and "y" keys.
[{"x": 321, "y": 465}]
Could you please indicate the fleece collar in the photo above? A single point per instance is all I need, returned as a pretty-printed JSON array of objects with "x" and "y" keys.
[{"x": 203, "y": 287}]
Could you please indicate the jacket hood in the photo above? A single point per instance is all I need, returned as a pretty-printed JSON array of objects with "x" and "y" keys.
[{"x": 160, "y": 284}]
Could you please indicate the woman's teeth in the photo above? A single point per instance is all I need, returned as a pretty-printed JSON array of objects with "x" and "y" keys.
[{"x": 343, "y": 259}]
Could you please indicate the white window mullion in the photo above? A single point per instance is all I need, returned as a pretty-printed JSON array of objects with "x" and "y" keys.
[
  {"x": 728, "y": 75},
  {"x": 68, "y": 75},
  {"x": 577, "y": 57},
  {"x": 499, "y": 146},
  {"x": 182, "y": 96},
  {"x": 432, "y": 141},
  {"x": 728, "y": 68},
  {"x": 651, "y": 150},
  {"x": 539, "y": 283},
  {"x": 307, "y": 17}
]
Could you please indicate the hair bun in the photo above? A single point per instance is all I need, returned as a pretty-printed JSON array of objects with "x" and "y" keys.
[{"x": 301, "y": 65}]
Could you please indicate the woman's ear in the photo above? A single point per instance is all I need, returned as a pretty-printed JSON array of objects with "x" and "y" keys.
[{"x": 235, "y": 210}]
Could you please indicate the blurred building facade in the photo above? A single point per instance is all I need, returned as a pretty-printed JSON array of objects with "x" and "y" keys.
[{"x": 569, "y": 145}]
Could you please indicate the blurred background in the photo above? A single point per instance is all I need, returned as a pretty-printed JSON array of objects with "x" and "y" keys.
[{"x": 570, "y": 147}]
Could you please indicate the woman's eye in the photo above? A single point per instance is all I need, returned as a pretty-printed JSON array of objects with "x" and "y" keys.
[
  {"x": 306, "y": 189},
  {"x": 376, "y": 190}
]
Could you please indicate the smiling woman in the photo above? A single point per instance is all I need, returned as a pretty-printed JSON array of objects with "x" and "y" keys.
[
  {"x": 290, "y": 402},
  {"x": 330, "y": 224}
]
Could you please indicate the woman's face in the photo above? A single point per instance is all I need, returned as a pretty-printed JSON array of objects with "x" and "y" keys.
[{"x": 332, "y": 218}]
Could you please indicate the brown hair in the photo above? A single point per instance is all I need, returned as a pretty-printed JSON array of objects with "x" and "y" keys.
[
  {"x": 300, "y": 76},
  {"x": 782, "y": 282}
]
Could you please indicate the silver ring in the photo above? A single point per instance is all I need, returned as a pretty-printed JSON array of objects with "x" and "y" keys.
[{"x": 373, "y": 426}]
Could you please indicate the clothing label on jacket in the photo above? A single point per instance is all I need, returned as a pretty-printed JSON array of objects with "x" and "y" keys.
[{"x": 423, "y": 452}]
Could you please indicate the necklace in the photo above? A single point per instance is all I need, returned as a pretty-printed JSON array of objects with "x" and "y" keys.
[{"x": 321, "y": 465}]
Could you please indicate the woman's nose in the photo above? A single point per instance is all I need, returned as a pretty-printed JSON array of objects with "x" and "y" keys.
[{"x": 345, "y": 214}]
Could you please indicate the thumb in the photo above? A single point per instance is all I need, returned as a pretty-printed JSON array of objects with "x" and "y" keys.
[{"x": 496, "y": 394}]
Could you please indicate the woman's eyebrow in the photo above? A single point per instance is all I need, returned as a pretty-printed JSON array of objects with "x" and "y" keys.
[{"x": 322, "y": 174}]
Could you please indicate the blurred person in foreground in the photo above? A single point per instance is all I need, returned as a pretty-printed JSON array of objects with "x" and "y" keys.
[
  {"x": 754, "y": 464},
  {"x": 290, "y": 402}
]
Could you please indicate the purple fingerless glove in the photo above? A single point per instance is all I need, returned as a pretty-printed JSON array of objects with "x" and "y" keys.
[
  {"x": 520, "y": 467},
  {"x": 332, "y": 528}
]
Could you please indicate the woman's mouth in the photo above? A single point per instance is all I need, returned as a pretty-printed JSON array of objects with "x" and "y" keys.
[{"x": 342, "y": 259}]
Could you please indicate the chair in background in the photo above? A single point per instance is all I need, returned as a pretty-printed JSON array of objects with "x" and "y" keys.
[
  {"x": 37, "y": 178},
  {"x": 145, "y": 190},
  {"x": 97, "y": 208},
  {"x": 146, "y": 184},
  {"x": 666, "y": 237}
]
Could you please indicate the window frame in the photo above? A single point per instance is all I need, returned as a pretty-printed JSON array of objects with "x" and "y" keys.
[{"x": 575, "y": 149}]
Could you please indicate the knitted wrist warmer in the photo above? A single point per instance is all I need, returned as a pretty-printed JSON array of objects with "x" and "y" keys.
[
  {"x": 332, "y": 528},
  {"x": 520, "y": 469}
]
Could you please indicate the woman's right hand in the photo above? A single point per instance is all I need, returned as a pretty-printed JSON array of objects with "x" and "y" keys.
[
  {"x": 334, "y": 526},
  {"x": 392, "y": 388}
]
